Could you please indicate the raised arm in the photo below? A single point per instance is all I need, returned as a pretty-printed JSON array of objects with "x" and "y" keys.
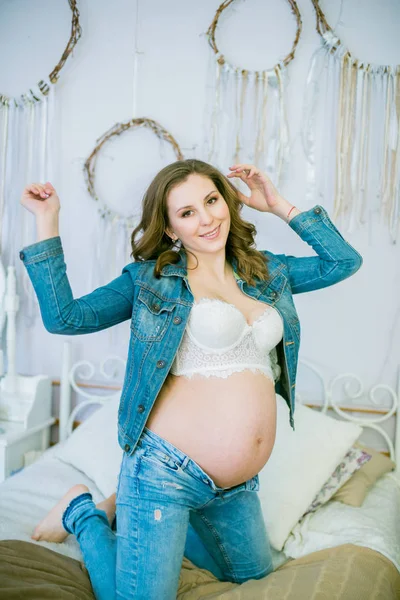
[
  {"x": 44, "y": 261},
  {"x": 336, "y": 259}
]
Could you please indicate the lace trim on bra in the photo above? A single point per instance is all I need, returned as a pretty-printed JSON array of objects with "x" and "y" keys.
[
  {"x": 194, "y": 358},
  {"x": 191, "y": 358},
  {"x": 224, "y": 374}
]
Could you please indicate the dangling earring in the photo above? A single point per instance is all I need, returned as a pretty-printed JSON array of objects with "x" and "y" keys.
[{"x": 177, "y": 244}]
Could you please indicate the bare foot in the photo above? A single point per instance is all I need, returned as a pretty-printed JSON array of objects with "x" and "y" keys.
[
  {"x": 50, "y": 529},
  {"x": 108, "y": 505}
]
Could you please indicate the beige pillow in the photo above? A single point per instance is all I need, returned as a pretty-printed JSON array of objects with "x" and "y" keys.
[{"x": 356, "y": 488}]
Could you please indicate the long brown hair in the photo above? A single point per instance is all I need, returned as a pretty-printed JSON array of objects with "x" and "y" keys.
[{"x": 154, "y": 243}]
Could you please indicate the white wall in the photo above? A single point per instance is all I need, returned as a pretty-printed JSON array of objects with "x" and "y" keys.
[{"x": 353, "y": 326}]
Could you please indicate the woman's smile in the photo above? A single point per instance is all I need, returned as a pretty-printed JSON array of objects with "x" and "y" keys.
[{"x": 213, "y": 234}]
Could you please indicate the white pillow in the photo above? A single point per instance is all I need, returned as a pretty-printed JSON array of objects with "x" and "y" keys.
[
  {"x": 300, "y": 463},
  {"x": 93, "y": 447}
]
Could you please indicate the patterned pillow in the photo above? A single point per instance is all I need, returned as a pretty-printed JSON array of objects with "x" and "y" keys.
[
  {"x": 353, "y": 460},
  {"x": 354, "y": 491}
]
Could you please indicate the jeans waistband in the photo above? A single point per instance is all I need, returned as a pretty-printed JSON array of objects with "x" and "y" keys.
[{"x": 150, "y": 438}]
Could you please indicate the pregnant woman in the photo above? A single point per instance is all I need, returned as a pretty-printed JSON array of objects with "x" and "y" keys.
[{"x": 214, "y": 336}]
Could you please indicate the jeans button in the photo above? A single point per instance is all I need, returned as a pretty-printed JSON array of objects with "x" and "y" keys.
[
  {"x": 140, "y": 408},
  {"x": 317, "y": 210},
  {"x": 127, "y": 447},
  {"x": 177, "y": 320},
  {"x": 160, "y": 364},
  {"x": 21, "y": 255},
  {"x": 156, "y": 307}
]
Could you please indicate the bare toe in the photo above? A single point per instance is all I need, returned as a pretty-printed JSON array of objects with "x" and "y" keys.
[{"x": 50, "y": 529}]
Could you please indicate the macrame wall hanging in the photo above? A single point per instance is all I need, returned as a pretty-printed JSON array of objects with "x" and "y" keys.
[
  {"x": 246, "y": 114},
  {"x": 25, "y": 135},
  {"x": 351, "y": 134},
  {"x": 113, "y": 229}
]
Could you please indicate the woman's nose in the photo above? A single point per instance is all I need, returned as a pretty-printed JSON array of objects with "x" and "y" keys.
[{"x": 205, "y": 217}]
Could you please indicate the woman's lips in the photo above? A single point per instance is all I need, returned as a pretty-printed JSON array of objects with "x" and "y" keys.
[{"x": 214, "y": 235}]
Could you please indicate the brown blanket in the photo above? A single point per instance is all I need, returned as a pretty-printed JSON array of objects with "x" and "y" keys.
[{"x": 31, "y": 572}]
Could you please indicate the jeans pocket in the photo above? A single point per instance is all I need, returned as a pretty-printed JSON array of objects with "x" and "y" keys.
[
  {"x": 129, "y": 464},
  {"x": 159, "y": 459}
]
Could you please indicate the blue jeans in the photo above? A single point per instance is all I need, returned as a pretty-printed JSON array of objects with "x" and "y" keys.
[{"x": 167, "y": 508}]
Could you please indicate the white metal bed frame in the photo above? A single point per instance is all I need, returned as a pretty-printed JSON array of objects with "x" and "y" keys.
[{"x": 87, "y": 370}]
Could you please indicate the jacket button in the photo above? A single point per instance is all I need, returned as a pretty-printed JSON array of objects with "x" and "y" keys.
[
  {"x": 21, "y": 255},
  {"x": 160, "y": 364},
  {"x": 317, "y": 210},
  {"x": 177, "y": 320},
  {"x": 274, "y": 294},
  {"x": 156, "y": 307},
  {"x": 140, "y": 408},
  {"x": 127, "y": 447}
]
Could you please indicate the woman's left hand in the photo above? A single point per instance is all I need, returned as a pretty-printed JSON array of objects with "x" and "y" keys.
[{"x": 264, "y": 196}]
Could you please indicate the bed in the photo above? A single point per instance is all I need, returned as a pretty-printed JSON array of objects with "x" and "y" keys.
[{"x": 336, "y": 551}]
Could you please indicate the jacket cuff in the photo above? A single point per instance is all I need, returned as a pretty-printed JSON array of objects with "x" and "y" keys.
[
  {"x": 41, "y": 250},
  {"x": 306, "y": 217}
]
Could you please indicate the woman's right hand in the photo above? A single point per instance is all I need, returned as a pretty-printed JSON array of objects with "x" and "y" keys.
[{"x": 41, "y": 199}]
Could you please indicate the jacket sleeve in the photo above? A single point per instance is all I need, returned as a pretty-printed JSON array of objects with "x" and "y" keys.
[
  {"x": 336, "y": 259},
  {"x": 61, "y": 313}
]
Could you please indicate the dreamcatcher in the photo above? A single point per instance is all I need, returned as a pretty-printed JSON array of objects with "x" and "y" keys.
[
  {"x": 25, "y": 135},
  {"x": 113, "y": 229},
  {"x": 246, "y": 113},
  {"x": 351, "y": 134}
]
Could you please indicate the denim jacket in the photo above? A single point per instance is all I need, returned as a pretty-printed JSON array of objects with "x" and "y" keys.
[{"x": 158, "y": 309}]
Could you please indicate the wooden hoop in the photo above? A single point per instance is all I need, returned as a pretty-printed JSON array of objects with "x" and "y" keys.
[
  {"x": 221, "y": 59},
  {"x": 76, "y": 32},
  {"x": 117, "y": 129}
]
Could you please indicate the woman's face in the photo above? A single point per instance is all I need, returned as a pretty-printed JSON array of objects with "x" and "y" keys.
[{"x": 195, "y": 208}]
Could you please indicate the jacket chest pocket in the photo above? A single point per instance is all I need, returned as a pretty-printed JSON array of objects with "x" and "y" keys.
[
  {"x": 151, "y": 316},
  {"x": 274, "y": 289}
]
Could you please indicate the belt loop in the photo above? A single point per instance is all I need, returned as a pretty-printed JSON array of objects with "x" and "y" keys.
[
  {"x": 251, "y": 484},
  {"x": 185, "y": 462}
]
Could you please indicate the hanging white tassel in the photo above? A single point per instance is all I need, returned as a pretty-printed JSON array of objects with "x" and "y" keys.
[
  {"x": 25, "y": 133},
  {"x": 4, "y": 123},
  {"x": 245, "y": 118},
  {"x": 361, "y": 92}
]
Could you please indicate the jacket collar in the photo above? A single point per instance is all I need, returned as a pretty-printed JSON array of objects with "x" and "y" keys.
[{"x": 180, "y": 268}]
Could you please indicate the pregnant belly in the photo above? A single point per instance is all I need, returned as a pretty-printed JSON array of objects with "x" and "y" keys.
[{"x": 227, "y": 426}]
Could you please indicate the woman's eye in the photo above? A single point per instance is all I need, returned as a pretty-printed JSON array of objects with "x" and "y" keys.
[{"x": 188, "y": 211}]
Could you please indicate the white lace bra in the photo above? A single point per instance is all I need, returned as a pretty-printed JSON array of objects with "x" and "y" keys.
[{"x": 218, "y": 341}]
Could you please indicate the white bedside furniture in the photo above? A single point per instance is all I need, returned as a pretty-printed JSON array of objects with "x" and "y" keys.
[
  {"x": 25, "y": 420},
  {"x": 15, "y": 441}
]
